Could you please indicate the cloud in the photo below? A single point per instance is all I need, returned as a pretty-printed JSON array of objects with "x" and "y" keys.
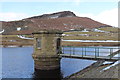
[
  {"x": 109, "y": 17},
  {"x": 77, "y": 2},
  {"x": 12, "y": 16}
]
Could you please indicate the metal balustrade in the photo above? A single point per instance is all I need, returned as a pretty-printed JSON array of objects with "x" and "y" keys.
[{"x": 91, "y": 52}]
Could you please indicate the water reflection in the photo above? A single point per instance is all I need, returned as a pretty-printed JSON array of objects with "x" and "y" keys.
[{"x": 47, "y": 75}]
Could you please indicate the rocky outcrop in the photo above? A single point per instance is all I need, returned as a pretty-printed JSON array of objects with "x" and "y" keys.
[
  {"x": 54, "y": 15},
  {"x": 64, "y": 21}
]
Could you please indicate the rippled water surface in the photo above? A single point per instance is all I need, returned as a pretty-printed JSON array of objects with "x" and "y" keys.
[{"x": 17, "y": 62}]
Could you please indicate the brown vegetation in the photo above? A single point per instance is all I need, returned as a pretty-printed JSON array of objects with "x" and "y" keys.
[{"x": 64, "y": 22}]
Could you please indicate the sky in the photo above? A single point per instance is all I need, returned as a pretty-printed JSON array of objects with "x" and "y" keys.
[{"x": 104, "y": 11}]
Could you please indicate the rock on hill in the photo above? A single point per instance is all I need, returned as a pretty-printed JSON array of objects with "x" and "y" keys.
[
  {"x": 54, "y": 15},
  {"x": 64, "y": 21}
]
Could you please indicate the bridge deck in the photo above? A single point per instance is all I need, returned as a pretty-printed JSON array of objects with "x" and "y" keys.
[
  {"x": 106, "y": 58},
  {"x": 91, "y": 53}
]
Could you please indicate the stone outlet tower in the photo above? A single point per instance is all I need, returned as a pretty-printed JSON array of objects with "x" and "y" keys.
[{"x": 47, "y": 46}]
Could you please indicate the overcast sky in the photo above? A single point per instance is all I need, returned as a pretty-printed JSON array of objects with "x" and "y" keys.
[{"x": 105, "y": 11}]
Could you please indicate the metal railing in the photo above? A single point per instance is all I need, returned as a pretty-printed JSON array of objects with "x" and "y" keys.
[{"x": 90, "y": 51}]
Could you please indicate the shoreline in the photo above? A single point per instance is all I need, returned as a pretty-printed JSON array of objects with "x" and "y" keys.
[
  {"x": 84, "y": 70},
  {"x": 88, "y": 72},
  {"x": 13, "y": 46},
  {"x": 96, "y": 67},
  {"x": 64, "y": 43}
]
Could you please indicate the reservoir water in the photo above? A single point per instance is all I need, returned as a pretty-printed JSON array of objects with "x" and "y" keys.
[{"x": 17, "y": 62}]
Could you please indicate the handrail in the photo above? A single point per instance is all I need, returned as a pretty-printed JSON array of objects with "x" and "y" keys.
[
  {"x": 84, "y": 51},
  {"x": 97, "y": 51},
  {"x": 93, "y": 47}
]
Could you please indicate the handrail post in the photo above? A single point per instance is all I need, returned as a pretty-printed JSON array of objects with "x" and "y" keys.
[
  {"x": 73, "y": 50},
  {"x": 70, "y": 50},
  {"x": 63, "y": 49},
  {"x": 95, "y": 52},
  {"x": 111, "y": 53},
  {"x": 85, "y": 51},
  {"x": 82, "y": 51},
  {"x": 98, "y": 52}
]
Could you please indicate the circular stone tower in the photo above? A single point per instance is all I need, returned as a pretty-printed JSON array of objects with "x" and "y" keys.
[{"x": 47, "y": 46}]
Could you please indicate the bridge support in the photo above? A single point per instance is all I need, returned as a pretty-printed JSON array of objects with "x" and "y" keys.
[{"x": 46, "y": 49}]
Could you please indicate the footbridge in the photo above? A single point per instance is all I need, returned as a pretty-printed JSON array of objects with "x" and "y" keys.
[
  {"x": 48, "y": 51},
  {"x": 91, "y": 53}
]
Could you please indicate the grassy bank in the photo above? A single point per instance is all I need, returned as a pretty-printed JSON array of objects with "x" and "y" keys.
[
  {"x": 76, "y": 35},
  {"x": 93, "y": 72},
  {"x": 13, "y": 40},
  {"x": 110, "y": 33}
]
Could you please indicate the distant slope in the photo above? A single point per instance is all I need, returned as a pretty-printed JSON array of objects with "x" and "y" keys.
[
  {"x": 54, "y": 15},
  {"x": 64, "y": 21}
]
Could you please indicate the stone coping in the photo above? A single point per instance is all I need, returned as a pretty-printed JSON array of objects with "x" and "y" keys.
[{"x": 48, "y": 32}]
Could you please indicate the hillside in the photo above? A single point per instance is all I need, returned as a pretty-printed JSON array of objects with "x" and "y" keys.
[{"x": 64, "y": 21}]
